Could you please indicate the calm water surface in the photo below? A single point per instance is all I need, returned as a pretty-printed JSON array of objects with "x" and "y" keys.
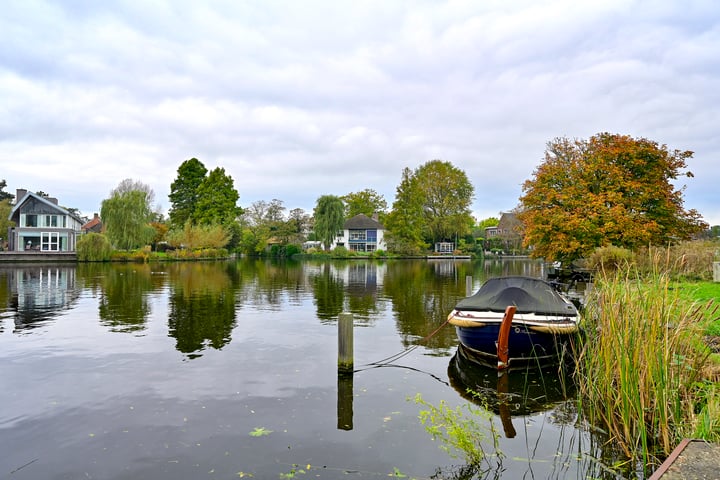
[{"x": 229, "y": 370}]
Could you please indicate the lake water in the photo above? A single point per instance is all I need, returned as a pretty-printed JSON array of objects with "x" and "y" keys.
[{"x": 226, "y": 370}]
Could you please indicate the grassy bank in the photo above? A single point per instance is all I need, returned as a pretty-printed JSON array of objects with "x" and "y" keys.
[{"x": 645, "y": 373}]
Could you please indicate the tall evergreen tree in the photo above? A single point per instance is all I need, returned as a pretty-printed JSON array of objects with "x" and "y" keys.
[
  {"x": 329, "y": 218},
  {"x": 184, "y": 191}
]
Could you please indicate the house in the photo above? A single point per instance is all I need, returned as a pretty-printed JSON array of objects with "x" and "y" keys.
[
  {"x": 41, "y": 225},
  {"x": 93, "y": 226},
  {"x": 361, "y": 234}
]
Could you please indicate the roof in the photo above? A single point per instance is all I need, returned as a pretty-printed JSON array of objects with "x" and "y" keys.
[
  {"x": 47, "y": 202},
  {"x": 361, "y": 221}
]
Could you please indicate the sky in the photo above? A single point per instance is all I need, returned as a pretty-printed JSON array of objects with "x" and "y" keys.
[{"x": 298, "y": 99}]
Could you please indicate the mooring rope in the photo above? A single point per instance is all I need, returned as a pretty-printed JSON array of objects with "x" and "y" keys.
[{"x": 392, "y": 358}]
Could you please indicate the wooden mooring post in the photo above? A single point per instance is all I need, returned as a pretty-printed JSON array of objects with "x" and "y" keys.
[
  {"x": 468, "y": 285},
  {"x": 345, "y": 343},
  {"x": 346, "y": 365}
]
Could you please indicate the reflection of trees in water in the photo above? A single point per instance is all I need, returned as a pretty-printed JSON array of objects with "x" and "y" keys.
[
  {"x": 422, "y": 299},
  {"x": 202, "y": 305},
  {"x": 271, "y": 284},
  {"x": 123, "y": 304},
  {"x": 329, "y": 292}
]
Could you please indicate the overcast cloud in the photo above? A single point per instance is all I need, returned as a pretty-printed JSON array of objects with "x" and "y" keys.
[{"x": 298, "y": 99}]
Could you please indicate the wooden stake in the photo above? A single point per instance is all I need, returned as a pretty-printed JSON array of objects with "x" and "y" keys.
[
  {"x": 345, "y": 343},
  {"x": 503, "y": 353}
]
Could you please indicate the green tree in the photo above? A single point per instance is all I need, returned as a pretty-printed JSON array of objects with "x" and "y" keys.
[
  {"x": 432, "y": 204},
  {"x": 184, "y": 191},
  {"x": 329, "y": 218},
  {"x": 368, "y": 202},
  {"x": 217, "y": 199},
  {"x": 447, "y": 194},
  {"x": 127, "y": 215},
  {"x": 608, "y": 190},
  {"x": 5, "y": 224},
  {"x": 5, "y": 195},
  {"x": 405, "y": 222}
]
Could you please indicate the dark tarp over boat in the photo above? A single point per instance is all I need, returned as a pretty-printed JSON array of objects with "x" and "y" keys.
[{"x": 529, "y": 295}]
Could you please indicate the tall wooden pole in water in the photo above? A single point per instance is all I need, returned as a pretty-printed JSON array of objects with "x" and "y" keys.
[{"x": 345, "y": 343}]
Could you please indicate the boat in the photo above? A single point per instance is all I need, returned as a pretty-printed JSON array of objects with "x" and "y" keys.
[
  {"x": 522, "y": 391},
  {"x": 515, "y": 319}
]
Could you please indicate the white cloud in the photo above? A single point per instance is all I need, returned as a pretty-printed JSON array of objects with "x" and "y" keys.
[{"x": 299, "y": 99}]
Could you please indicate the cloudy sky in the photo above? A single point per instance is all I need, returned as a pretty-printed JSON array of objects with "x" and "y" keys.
[{"x": 299, "y": 98}]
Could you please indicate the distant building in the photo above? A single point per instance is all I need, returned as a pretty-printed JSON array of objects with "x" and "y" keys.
[
  {"x": 361, "y": 234},
  {"x": 93, "y": 226},
  {"x": 41, "y": 225}
]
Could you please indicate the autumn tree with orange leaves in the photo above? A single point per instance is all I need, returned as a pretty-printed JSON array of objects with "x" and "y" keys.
[{"x": 609, "y": 190}]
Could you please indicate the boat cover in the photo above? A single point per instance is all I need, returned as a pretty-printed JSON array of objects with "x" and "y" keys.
[{"x": 527, "y": 294}]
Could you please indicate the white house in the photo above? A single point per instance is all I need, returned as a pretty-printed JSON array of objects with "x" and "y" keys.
[
  {"x": 41, "y": 225},
  {"x": 361, "y": 234}
]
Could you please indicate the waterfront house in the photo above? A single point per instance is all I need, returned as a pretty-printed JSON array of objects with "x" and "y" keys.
[
  {"x": 41, "y": 225},
  {"x": 361, "y": 234}
]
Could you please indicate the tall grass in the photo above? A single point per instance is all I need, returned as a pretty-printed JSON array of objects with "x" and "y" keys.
[{"x": 642, "y": 365}]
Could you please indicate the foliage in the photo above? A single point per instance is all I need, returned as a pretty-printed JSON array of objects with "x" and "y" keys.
[
  {"x": 405, "y": 223},
  {"x": 446, "y": 196},
  {"x": 161, "y": 229},
  {"x": 610, "y": 258},
  {"x": 198, "y": 236},
  {"x": 217, "y": 200},
  {"x": 5, "y": 195},
  {"x": 488, "y": 222},
  {"x": 367, "y": 202},
  {"x": 93, "y": 247},
  {"x": 641, "y": 363},
  {"x": 608, "y": 190},
  {"x": 682, "y": 261},
  {"x": 127, "y": 215},
  {"x": 457, "y": 431},
  {"x": 431, "y": 204},
  {"x": 329, "y": 218},
  {"x": 184, "y": 191},
  {"x": 5, "y": 209}
]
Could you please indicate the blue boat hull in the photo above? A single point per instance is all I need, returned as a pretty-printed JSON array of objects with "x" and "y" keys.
[{"x": 524, "y": 344}]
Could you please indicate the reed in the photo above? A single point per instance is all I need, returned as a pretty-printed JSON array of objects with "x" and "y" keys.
[{"x": 641, "y": 366}]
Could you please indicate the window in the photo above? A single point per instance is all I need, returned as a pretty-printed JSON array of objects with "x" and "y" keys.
[
  {"x": 51, "y": 221},
  {"x": 49, "y": 241},
  {"x": 358, "y": 235},
  {"x": 31, "y": 221}
]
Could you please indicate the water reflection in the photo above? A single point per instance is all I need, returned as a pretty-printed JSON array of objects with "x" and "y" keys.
[
  {"x": 35, "y": 294},
  {"x": 202, "y": 306},
  {"x": 516, "y": 392},
  {"x": 88, "y": 401}
]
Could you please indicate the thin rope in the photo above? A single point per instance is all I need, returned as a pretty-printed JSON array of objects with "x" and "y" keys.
[{"x": 399, "y": 355}]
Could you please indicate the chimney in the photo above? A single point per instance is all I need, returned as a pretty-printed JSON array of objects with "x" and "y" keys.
[
  {"x": 375, "y": 216},
  {"x": 52, "y": 200},
  {"x": 19, "y": 194}
]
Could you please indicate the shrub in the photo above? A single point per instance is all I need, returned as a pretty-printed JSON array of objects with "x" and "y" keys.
[
  {"x": 610, "y": 258},
  {"x": 341, "y": 252},
  {"x": 93, "y": 247}
]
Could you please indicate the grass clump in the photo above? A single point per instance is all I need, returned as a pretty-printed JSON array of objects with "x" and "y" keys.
[{"x": 642, "y": 368}]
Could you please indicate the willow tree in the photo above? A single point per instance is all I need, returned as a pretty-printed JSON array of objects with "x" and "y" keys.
[
  {"x": 329, "y": 215},
  {"x": 127, "y": 215},
  {"x": 608, "y": 190}
]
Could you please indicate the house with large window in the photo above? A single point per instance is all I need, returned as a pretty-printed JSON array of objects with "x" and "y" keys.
[
  {"x": 361, "y": 234},
  {"x": 41, "y": 225}
]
